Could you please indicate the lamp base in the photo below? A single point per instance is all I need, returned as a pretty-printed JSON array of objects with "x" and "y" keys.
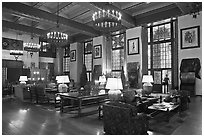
[
  {"x": 147, "y": 89},
  {"x": 114, "y": 95},
  {"x": 22, "y": 82}
]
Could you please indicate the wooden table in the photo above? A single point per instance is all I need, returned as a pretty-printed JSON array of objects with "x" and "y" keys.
[
  {"x": 81, "y": 101},
  {"x": 165, "y": 107}
]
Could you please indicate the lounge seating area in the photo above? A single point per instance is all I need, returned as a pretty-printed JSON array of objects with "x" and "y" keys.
[{"x": 101, "y": 68}]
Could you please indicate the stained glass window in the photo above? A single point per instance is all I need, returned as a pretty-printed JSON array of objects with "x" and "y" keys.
[
  {"x": 160, "y": 49},
  {"x": 66, "y": 59},
  {"x": 88, "y": 58},
  {"x": 118, "y": 43}
]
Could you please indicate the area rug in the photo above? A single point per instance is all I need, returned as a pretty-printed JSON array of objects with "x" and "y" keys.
[{"x": 160, "y": 125}]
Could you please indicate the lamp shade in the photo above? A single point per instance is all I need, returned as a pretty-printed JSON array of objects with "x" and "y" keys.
[
  {"x": 23, "y": 78},
  {"x": 62, "y": 79},
  {"x": 114, "y": 83},
  {"x": 147, "y": 79},
  {"x": 102, "y": 79},
  {"x": 57, "y": 77}
]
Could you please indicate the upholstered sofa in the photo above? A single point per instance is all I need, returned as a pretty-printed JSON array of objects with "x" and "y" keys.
[{"x": 122, "y": 119}]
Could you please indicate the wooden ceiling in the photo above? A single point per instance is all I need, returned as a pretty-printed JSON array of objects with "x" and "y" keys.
[{"x": 75, "y": 18}]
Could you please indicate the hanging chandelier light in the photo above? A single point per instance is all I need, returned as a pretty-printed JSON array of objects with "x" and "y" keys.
[
  {"x": 107, "y": 19},
  {"x": 31, "y": 46},
  {"x": 57, "y": 36},
  {"x": 16, "y": 53}
]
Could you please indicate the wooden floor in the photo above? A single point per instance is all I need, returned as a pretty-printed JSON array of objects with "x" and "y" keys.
[{"x": 27, "y": 119}]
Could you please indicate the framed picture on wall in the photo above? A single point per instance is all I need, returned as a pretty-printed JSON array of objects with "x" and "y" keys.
[
  {"x": 133, "y": 46},
  {"x": 73, "y": 55},
  {"x": 190, "y": 37},
  {"x": 97, "y": 51}
]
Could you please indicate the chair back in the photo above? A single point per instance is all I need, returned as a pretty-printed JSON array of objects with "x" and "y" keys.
[{"x": 122, "y": 119}]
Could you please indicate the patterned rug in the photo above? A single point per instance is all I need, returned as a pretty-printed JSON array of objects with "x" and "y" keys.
[{"x": 160, "y": 125}]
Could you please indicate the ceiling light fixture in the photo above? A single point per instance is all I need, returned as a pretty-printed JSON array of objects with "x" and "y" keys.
[
  {"x": 57, "y": 36},
  {"x": 107, "y": 19},
  {"x": 31, "y": 46},
  {"x": 16, "y": 53}
]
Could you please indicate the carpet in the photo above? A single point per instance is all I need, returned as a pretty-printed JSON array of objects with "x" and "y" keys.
[{"x": 160, "y": 125}]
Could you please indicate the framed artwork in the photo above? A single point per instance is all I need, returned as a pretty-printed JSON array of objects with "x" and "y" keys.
[
  {"x": 133, "y": 46},
  {"x": 97, "y": 51},
  {"x": 190, "y": 37},
  {"x": 73, "y": 55}
]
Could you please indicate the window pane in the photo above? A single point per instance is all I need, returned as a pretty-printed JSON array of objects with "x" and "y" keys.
[
  {"x": 88, "y": 47},
  {"x": 118, "y": 41},
  {"x": 149, "y": 57},
  {"x": 66, "y": 64},
  {"x": 116, "y": 74},
  {"x": 88, "y": 61}
]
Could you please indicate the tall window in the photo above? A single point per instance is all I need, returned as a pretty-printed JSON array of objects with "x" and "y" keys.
[
  {"x": 66, "y": 60},
  {"x": 118, "y": 44},
  {"x": 160, "y": 45},
  {"x": 88, "y": 59}
]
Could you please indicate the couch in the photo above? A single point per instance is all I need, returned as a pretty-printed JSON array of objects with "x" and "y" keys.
[{"x": 122, "y": 119}]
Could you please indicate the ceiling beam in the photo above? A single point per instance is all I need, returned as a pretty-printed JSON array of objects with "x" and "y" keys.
[
  {"x": 187, "y": 7},
  {"x": 157, "y": 15},
  {"x": 127, "y": 20},
  {"x": 34, "y": 13},
  {"x": 28, "y": 29},
  {"x": 24, "y": 28}
]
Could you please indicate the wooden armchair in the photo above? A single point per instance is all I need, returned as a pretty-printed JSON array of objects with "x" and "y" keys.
[{"x": 123, "y": 119}]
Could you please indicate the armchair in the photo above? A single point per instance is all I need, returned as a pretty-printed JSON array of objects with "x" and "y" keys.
[{"x": 122, "y": 119}]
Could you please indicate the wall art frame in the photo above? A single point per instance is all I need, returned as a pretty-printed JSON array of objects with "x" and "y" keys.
[
  {"x": 97, "y": 51},
  {"x": 190, "y": 37},
  {"x": 133, "y": 46}
]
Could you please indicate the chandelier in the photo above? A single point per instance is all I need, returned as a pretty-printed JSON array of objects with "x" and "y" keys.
[
  {"x": 31, "y": 46},
  {"x": 57, "y": 36},
  {"x": 107, "y": 19},
  {"x": 16, "y": 53}
]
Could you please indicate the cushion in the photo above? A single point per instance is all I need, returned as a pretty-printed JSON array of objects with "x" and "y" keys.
[{"x": 129, "y": 96}]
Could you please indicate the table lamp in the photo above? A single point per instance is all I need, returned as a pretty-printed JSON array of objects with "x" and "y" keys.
[
  {"x": 114, "y": 84},
  {"x": 23, "y": 79},
  {"x": 62, "y": 80},
  {"x": 102, "y": 80},
  {"x": 147, "y": 86}
]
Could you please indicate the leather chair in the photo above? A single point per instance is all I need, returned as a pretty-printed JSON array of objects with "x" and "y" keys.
[
  {"x": 33, "y": 95},
  {"x": 184, "y": 99},
  {"x": 122, "y": 119},
  {"x": 41, "y": 95}
]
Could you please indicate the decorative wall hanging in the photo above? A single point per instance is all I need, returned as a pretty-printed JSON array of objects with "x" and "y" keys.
[
  {"x": 73, "y": 55},
  {"x": 190, "y": 37},
  {"x": 97, "y": 51},
  {"x": 133, "y": 46}
]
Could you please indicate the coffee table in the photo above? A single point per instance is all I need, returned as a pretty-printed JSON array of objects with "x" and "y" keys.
[
  {"x": 81, "y": 101},
  {"x": 163, "y": 107}
]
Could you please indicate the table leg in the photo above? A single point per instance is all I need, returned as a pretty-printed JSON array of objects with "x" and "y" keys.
[
  {"x": 79, "y": 110},
  {"x": 168, "y": 115},
  {"x": 61, "y": 105}
]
